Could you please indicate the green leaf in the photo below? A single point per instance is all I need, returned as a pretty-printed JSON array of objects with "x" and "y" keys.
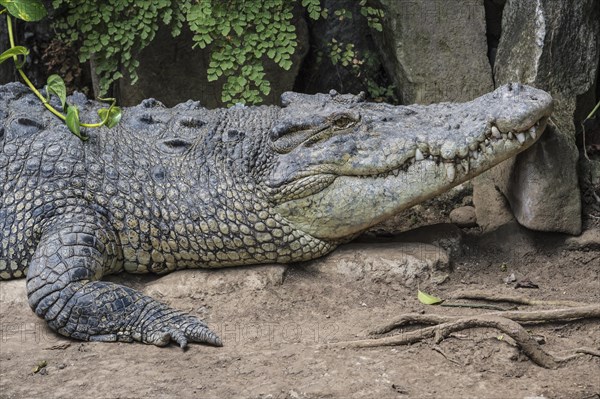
[
  {"x": 17, "y": 50},
  {"x": 377, "y": 26},
  {"x": 73, "y": 120},
  {"x": 427, "y": 299},
  {"x": 27, "y": 10},
  {"x": 114, "y": 116},
  {"x": 55, "y": 85},
  {"x": 286, "y": 64},
  {"x": 225, "y": 29},
  {"x": 239, "y": 30}
]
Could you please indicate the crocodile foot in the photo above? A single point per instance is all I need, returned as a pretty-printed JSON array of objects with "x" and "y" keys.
[
  {"x": 63, "y": 288},
  {"x": 159, "y": 325}
]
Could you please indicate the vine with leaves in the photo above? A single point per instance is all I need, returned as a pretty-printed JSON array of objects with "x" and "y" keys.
[
  {"x": 240, "y": 35},
  {"x": 31, "y": 11}
]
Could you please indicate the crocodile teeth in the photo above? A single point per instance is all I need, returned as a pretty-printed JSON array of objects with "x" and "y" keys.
[
  {"x": 521, "y": 137},
  {"x": 533, "y": 132},
  {"x": 510, "y": 136},
  {"x": 450, "y": 171},
  {"x": 462, "y": 152},
  {"x": 496, "y": 133},
  {"x": 419, "y": 155},
  {"x": 474, "y": 154},
  {"x": 465, "y": 165}
]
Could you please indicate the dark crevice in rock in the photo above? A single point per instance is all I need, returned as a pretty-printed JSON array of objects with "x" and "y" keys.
[
  {"x": 493, "y": 21},
  {"x": 318, "y": 74},
  {"x": 7, "y": 71}
]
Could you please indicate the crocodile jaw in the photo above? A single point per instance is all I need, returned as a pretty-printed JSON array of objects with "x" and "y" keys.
[{"x": 353, "y": 203}]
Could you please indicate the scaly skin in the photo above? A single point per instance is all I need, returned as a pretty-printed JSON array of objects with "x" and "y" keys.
[{"x": 188, "y": 187}]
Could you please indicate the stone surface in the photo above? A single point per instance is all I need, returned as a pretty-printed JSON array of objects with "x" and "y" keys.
[
  {"x": 543, "y": 190},
  {"x": 172, "y": 72},
  {"x": 464, "y": 216},
  {"x": 589, "y": 239},
  {"x": 553, "y": 47},
  {"x": 194, "y": 283},
  {"x": 435, "y": 50},
  {"x": 510, "y": 239},
  {"x": 492, "y": 210},
  {"x": 13, "y": 292},
  {"x": 546, "y": 43},
  {"x": 390, "y": 263}
]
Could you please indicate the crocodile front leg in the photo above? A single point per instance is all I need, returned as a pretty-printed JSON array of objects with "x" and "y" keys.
[{"x": 62, "y": 288}]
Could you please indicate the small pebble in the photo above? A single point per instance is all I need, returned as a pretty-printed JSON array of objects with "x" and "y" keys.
[{"x": 464, "y": 216}]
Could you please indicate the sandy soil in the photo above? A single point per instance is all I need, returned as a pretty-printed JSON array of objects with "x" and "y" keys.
[{"x": 275, "y": 334}]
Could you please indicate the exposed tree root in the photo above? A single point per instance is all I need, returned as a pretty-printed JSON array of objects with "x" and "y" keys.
[
  {"x": 521, "y": 300},
  {"x": 443, "y": 326},
  {"x": 526, "y": 317}
]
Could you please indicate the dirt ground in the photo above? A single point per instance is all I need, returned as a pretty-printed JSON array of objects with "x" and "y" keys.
[{"x": 275, "y": 334}]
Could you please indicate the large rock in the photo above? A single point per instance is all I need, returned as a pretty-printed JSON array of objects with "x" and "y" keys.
[
  {"x": 543, "y": 190},
  {"x": 552, "y": 46},
  {"x": 397, "y": 264},
  {"x": 435, "y": 50},
  {"x": 196, "y": 283},
  {"x": 173, "y": 72},
  {"x": 464, "y": 216}
]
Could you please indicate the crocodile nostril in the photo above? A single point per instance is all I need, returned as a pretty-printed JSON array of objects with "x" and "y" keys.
[
  {"x": 174, "y": 146},
  {"x": 233, "y": 135},
  {"x": 152, "y": 103}
]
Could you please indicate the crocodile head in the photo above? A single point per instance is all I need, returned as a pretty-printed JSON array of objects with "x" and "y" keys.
[{"x": 340, "y": 165}]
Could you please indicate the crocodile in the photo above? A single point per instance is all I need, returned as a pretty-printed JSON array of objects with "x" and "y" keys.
[{"x": 188, "y": 187}]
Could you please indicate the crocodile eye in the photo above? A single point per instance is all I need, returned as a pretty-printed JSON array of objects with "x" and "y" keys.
[
  {"x": 192, "y": 123},
  {"x": 24, "y": 126},
  {"x": 343, "y": 121}
]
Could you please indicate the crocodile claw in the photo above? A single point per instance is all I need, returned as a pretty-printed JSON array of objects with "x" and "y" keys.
[{"x": 192, "y": 330}]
